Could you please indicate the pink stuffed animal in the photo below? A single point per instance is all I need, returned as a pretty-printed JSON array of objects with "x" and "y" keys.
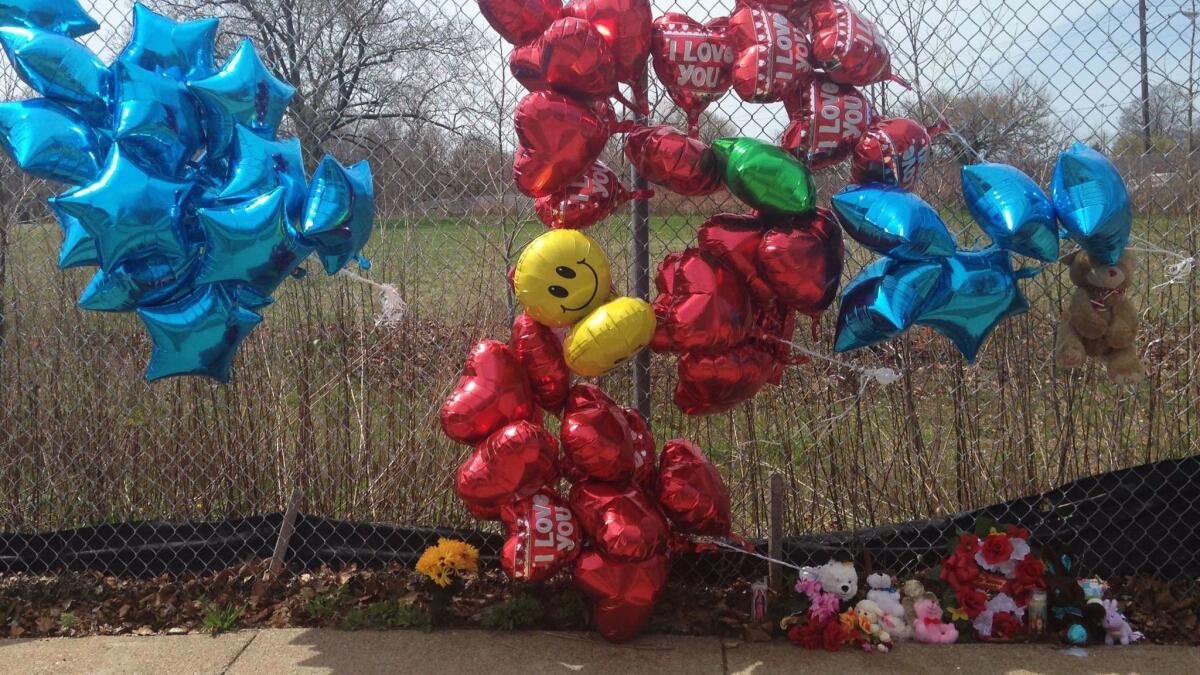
[
  {"x": 929, "y": 627},
  {"x": 1117, "y": 628}
]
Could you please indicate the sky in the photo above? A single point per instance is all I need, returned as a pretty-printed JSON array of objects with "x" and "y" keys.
[{"x": 1084, "y": 53}]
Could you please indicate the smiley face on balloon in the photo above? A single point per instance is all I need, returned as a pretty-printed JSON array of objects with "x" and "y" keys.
[{"x": 561, "y": 277}]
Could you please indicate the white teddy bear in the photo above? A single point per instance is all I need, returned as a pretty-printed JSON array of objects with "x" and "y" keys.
[
  {"x": 887, "y": 597},
  {"x": 836, "y": 577}
]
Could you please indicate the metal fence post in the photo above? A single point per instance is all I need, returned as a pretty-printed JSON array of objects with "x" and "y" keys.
[{"x": 640, "y": 243}]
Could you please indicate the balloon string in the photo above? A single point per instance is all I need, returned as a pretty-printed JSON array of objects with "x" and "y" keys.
[
  {"x": 393, "y": 308},
  {"x": 953, "y": 133},
  {"x": 754, "y": 554},
  {"x": 1177, "y": 272},
  {"x": 884, "y": 376}
]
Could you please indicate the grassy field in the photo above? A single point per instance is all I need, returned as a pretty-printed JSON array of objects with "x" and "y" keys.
[{"x": 326, "y": 402}]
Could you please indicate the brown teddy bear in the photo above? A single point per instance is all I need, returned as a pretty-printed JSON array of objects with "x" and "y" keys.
[{"x": 1100, "y": 320}]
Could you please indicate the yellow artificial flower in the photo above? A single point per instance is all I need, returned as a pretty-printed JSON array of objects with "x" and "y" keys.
[
  {"x": 957, "y": 614},
  {"x": 442, "y": 563},
  {"x": 460, "y": 555},
  {"x": 849, "y": 621}
]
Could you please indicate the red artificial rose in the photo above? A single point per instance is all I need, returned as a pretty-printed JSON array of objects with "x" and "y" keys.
[
  {"x": 968, "y": 544},
  {"x": 1005, "y": 625},
  {"x": 1015, "y": 532},
  {"x": 807, "y": 634},
  {"x": 1031, "y": 570},
  {"x": 971, "y": 601},
  {"x": 997, "y": 548},
  {"x": 959, "y": 570},
  {"x": 833, "y": 636}
]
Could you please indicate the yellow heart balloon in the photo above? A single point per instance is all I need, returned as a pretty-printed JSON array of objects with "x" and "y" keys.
[
  {"x": 609, "y": 336},
  {"x": 561, "y": 277}
]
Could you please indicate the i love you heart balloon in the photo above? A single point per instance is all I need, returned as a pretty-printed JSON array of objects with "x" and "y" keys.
[
  {"x": 693, "y": 63},
  {"x": 827, "y": 120},
  {"x": 893, "y": 151},
  {"x": 623, "y": 593},
  {"x": 801, "y": 258},
  {"x": 847, "y": 46},
  {"x": 587, "y": 201},
  {"x": 665, "y": 156},
  {"x": 539, "y": 352},
  {"x": 543, "y": 537},
  {"x": 513, "y": 463},
  {"x": 772, "y": 60},
  {"x": 492, "y": 392}
]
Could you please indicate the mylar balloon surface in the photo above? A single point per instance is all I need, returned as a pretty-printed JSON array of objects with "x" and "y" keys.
[
  {"x": 827, "y": 121},
  {"x": 893, "y": 222},
  {"x": 571, "y": 57},
  {"x": 242, "y": 92},
  {"x": 622, "y": 522},
  {"x": 157, "y": 120},
  {"x": 49, "y": 141},
  {"x": 772, "y": 59},
  {"x": 612, "y": 334},
  {"x": 765, "y": 176},
  {"x": 692, "y": 492},
  {"x": 706, "y": 306},
  {"x": 665, "y": 156},
  {"x": 179, "y": 50},
  {"x": 1092, "y": 203},
  {"x": 340, "y": 212},
  {"x": 513, "y": 463},
  {"x": 693, "y": 63},
  {"x": 1011, "y": 209},
  {"x": 977, "y": 290},
  {"x": 520, "y": 21},
  {"x": 626, "y": 26},
  {"x": 883, "y": 301},
  {"x": 59, "y": 68},
  {"x": 543, "y": 537},
  {"x": 561, "y": 277},
  {"x": 65, "y": 17},
  {"x": 587, "y": 201},
  {"x": 847, "y": 46},
  {"x": 560, "y": 139},
  {"x": 734, "y": 241},
  {"x": 540, "y": 352},
  {"x": 250, "y": 243},
  {"x": 713, "y": 383},
  {"x": 893, "y": 151},
  {"x": 623, "y": 593},
  {"x": 801, "y": 259},
  {"x": 492, "y": 392},
  {"x": 597, "y": 440},
  {"x": 197, "y": 335}
]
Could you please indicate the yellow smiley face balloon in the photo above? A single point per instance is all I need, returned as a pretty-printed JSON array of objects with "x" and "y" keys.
[
  {"x": 561, "y": 277},
  {"x": 608, "y": 336}
]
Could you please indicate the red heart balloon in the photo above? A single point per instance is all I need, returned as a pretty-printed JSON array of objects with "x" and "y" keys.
[
  {"x": 664, "y": 281},
  {"x": 733, "y": 240},
  {"x": 775, "y": 329},
  {"x": 713, "y": 383},
  {"x": 512, "y": 463},
  {"x": 827, "y": 119},
  {"x": 520, "y": 21},
  {"x": 625, "y": 26},
  {"x": 539, "y": 351},
  {"x": 691, "y": 491},
  {"x": 587, "y": 201},
  {"x": 543, "y": 537},
  {"x": 665, "y": 156},
  {"x": 492, "y": 392},
  {"x": 693, "y": 63},
  {"x": 802, "y": 260},
  {"x": 709, "y": 307},
  {"x": 847, "y": 46},
  {"x": 645, "y": 473},
  {"x": 621, "y": 522},
  {"x": 571, "y": 58},
  {"x": 772, "y": 60},
  {"x": 597, "y": 441},
  {"x": 893, "y": 151},
  {"x": 623, "y": 593},
  {"x": 560, "y": 139}
]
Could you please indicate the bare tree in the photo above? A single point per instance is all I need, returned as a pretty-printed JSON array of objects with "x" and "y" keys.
[
  {"x": 353, "y": 62},
  {"x": 1169, "y": 111}
]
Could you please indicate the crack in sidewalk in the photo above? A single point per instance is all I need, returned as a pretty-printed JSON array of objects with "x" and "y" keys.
[{"x": 239, "y": 653}]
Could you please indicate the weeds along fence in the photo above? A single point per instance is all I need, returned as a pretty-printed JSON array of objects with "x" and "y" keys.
[{"x": 341, "y": 410}]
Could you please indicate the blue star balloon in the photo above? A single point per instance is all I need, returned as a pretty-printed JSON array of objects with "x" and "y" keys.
[
  {"x": 1011, "y": 209},
  {"x": 244, "y": 92},
  {"x": 64, "y": 17},
  {"x": 129, "y": 213},
  {"x": 157, "y": 120},
  {"x": 340, "y": 212},
  {"x": 893, "y": 222},
  {"x": 259, "y": 166},
  {"x": 49, "y": 141},
  {"x": 198, "y": 334},
  {"x": 179, "y": 50},
  {"x": 250, "y": 243},
  {"x": 59, "y": 68},
  {"x": 78, "y": 248},
  {"x": 143, "y": 282},
  {"x": 883, "y": 301},
  {"x": 1092, "y": 203},
  {"x": 975, "y": 292}
]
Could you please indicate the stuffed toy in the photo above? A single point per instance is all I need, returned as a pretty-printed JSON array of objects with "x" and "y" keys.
[
  {"x": 929, "y": 627},
  {"x": 836, "y": 576},
  {"x": 912, "y": 591},
  {"x": 887, "y": 598},
  {"x": 876, "y": 629},
  {"x": 1117, "y": 629},
  {"x": 1100, "y": 320}
]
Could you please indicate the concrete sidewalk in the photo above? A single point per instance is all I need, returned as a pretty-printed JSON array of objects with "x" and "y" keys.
[{"x": 533, "y": 653}]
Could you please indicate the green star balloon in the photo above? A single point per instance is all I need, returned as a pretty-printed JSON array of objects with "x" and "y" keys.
[{"x": 765, "y": 176}]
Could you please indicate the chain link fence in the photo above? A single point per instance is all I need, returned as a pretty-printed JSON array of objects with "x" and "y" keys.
[{"x": 338, "y": 411}]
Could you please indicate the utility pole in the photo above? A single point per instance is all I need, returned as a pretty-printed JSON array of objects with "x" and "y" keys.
[
  {"x": 1191, "y": 15},
  {"x": 1143, "y": 33}
]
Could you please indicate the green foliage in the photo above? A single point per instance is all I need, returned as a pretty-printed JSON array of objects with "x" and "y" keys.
[
  {"x": 221, "y": 618},
  {"x": 519, "y": 611},
  {"x": 389, "y": 614},
  {"x": 67, "y": 621},
  {"x": 323, "y": 605},
  {"x": 568, "y": 608}
]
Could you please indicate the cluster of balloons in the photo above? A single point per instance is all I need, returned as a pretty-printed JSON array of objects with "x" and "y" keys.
[
  {"x": 181, "y": 194},
  {"x": 614, "y": 530}
]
